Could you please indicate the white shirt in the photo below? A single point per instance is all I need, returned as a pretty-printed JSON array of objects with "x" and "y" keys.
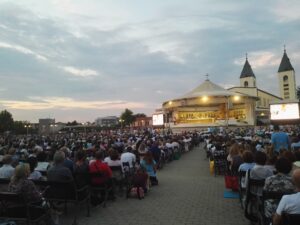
[
  {"x": 112, "y": 162},
  {"x": 6, "y": 171},
  {"x": 289, "y": 204},
  {"x": 128, "y": 157}
]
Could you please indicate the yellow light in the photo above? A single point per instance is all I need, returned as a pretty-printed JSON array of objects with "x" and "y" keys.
[
  {"x": 170, "y": 102},
  {"x": 204, "y": 98},
  {"x": 236, "y": 98},
  {"x": 262, "y": 114}
]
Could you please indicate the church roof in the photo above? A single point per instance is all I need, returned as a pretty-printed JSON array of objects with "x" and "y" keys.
[
  {"x": 285, "y": 64},
  {"x": 247, "y": 70},
  {"x": 207, "y": 88}
]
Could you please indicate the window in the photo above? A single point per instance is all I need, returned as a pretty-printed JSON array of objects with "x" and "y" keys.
[
  {"x": 246, "y": 84},
  {"x": 286, "y": 89},
  {"x": 285, "y": 79},
  {"x": 285, "y": 85}
]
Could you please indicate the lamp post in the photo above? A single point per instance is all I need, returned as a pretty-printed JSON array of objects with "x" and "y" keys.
[
  {"x": 121, "y": 121},
  {"x": 84, "y": 126},
  {"x": 52, "y": 127},
  {"x": 27, "y": 126}
]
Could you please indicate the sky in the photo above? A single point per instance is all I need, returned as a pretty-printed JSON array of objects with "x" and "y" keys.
[{"x": 79, "y": 60}]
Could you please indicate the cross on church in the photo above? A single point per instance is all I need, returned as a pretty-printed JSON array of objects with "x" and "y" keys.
[{"x": 207, "y": 76}]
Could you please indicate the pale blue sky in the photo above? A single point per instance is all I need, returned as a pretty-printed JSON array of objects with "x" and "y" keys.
[{"x": 75, "y": 59}]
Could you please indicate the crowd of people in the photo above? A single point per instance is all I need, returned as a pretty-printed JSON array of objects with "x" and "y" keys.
[
  {"x": 75, "y": 156},
  {"x": 271, "y": 156}
]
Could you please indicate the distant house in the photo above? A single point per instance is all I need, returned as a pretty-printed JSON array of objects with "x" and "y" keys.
[{"x": 142, "y": 122}]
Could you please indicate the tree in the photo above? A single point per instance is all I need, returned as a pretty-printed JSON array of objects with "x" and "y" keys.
[
  {"x": 298, "y": 92},
  {"x": 74, "y": 123},
  {"x": 6, "y": 121},
  {"x": 139, "y": 115},
  {"x": 127, "y": 117},
  {"x": 19, "y": 127}
]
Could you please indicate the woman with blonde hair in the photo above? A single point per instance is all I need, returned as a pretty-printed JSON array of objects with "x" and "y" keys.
[{"x": 20, "y": 184}]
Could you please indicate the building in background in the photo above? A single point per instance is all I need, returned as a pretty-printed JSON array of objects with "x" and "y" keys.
[
  {"x": 246, "y": 104},
  {"x": 45, "y": 125},
  {"x": 108, "y": 121},
  {"x": 142, "y": 122}
]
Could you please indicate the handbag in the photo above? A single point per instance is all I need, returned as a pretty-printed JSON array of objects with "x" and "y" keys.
[
  {"x": 137, "y": 192},
  {"x": 232, "y": 182}
]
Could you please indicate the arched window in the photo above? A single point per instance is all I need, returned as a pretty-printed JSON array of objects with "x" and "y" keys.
[
  {"x": 246, "y": 84},
  {"x": 285, "y": 79}
]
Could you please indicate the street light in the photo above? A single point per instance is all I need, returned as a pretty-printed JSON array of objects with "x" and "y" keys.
[
  {"x": 83, "y": 124},
  {"x": 53, "y": 127},
  {"x": 27, "y": 126},
  {"x": 121, "y": 121}
]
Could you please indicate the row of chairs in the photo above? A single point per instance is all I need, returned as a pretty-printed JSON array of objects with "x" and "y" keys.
[
  {"x": 257, "y": 201},
  {"x": 62, "y": 192}
]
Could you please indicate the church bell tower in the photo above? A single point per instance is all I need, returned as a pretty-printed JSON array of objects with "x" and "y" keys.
[
  {"x": 247, "y": 78},
  {"x": 286, "y": 75}
]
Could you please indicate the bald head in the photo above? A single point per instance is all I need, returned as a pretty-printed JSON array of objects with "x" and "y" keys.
[{"x": 296, "y": 178}]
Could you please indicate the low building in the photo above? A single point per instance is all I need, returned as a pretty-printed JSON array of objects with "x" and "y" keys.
[
  {"x": 45, "y": 125},
  {"x": 108, "y": 121},
  {"x": 142, "y": 122}
]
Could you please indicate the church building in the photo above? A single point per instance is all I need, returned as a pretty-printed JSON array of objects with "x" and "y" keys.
[{"x": 247, "y": 104}]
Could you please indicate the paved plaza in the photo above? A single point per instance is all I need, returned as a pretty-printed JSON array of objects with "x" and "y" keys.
[{"x": 187, "y": 195}]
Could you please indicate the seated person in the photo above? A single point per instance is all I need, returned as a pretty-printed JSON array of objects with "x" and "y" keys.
[
  {"x": 20, "y": 184},
  {"x": 129, "y": 157},
  {"x": 281, "y": 182},
  {"x": 259, "y": 171},
  {"x": 150, "y": 165},
  {"x": 98, "y": 166},
  {"x": 113, "y": 158},
  {"x": 247, "y": 165},
  {"x": 140, "y": 179},
  {"x": 34, "y": 175},
  {"x": 58, "y": 172},
  {"x": 68, "y": 163},
  {"x": 6, "y": 171},
  {"x": 81, "y": 169},
  {"x": 289, "y": 203}
]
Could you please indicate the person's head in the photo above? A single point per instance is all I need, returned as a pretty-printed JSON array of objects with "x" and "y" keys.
[
  {"x": 260, "y": 158},
  {"x": 22, "y": 171},
  {"x": 99, "y": 155},
  {"x": 59, "y": 157},
  {"x": 289, "y": 155},
  {"x": 80, "y": 155},
  {"x": 234, "y": 149},
  {"x": 283, "y": 165},
  {"x": 7, "y": 160},
  {"x": 248, "y": 157},
  {"x": 148, "y": 158},
  {"x": 113, "y": 154},
  {"x": 276, "y": 128},
  {"x": 296, "y": 178},
  {"x": 32, "y": 161}
]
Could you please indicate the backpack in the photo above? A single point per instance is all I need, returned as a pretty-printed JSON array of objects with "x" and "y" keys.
[{"x": 137, "y": 192}]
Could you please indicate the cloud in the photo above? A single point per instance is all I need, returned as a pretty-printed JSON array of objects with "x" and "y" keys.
[
  {"x": 38, "y": 103},
  {"x": 260, "y": 59},
  {"x": 23, "y": 50},
  {"x": 80, "y": 72}
]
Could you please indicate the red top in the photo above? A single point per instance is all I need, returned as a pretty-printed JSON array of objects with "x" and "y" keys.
[{"x": 99, "y": 166}]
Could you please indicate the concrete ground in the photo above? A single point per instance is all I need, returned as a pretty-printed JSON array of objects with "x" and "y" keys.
[{"x": 187, "y": 195}]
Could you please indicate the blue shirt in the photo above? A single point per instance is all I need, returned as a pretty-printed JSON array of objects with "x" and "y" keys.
[
  {"x": 246, "y": 166},
  {"x": 280, "y": 140},
  {"x": 149, "y": 168}
]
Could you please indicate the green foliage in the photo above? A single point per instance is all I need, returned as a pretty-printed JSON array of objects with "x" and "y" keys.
[
  {"x": 6, "y": 121},
  {"x": 74, "y": 123},
  {"x": 298, "y": 92},
  {"x": 127, "y": 117}
]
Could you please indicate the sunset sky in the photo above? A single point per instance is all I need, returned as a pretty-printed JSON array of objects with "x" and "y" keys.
[{"x": 78, "y": 60}]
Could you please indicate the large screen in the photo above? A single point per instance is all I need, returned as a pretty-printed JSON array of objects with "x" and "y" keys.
[
  {"x": 158, "y": 119},
  {"x": 287, "y": 111}
]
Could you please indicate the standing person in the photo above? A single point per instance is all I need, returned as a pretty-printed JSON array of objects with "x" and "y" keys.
[
  {"x": 279, "y": 139},
  {"x": 289, "y": 203}
]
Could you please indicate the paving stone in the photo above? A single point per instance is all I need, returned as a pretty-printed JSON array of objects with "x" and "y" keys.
[{"x": 186, "y": 194}]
